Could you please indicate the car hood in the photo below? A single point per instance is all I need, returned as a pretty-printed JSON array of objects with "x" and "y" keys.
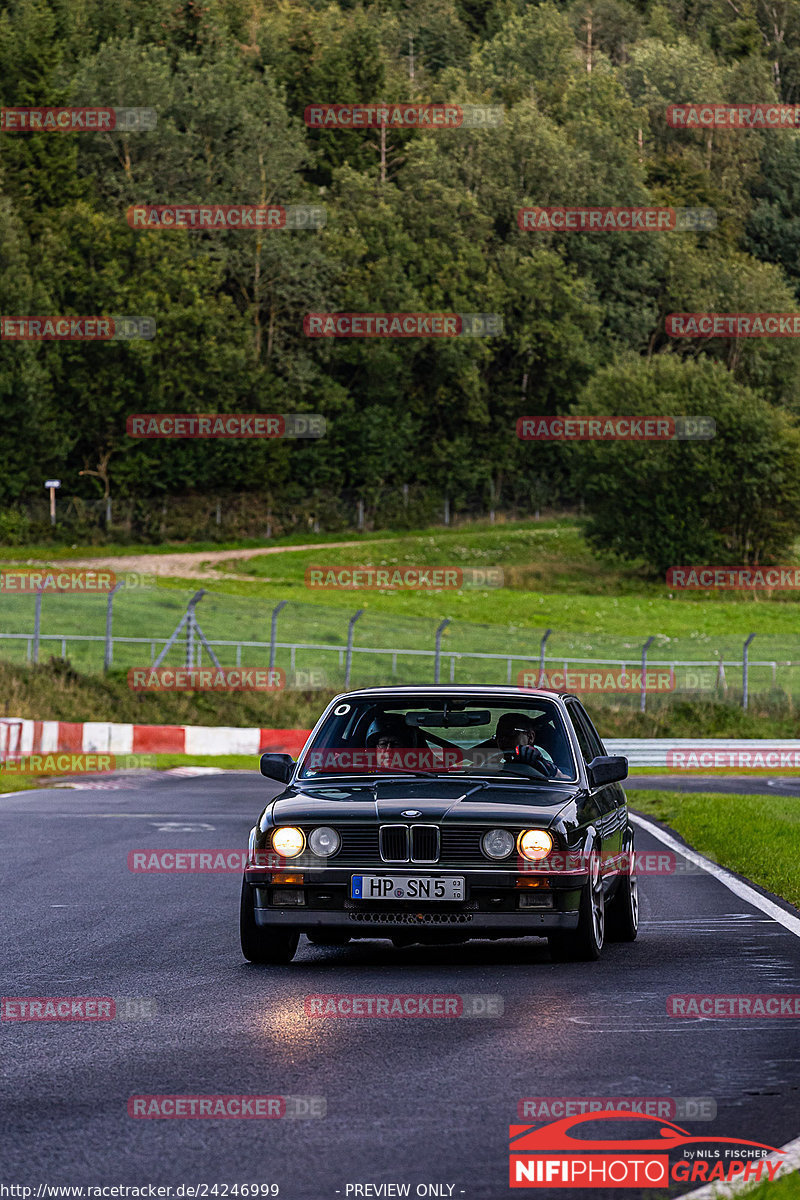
[{"x": 435, "y": 800}]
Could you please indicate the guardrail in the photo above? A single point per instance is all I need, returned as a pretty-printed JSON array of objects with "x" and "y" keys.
[{"x": 652, "y": 752}]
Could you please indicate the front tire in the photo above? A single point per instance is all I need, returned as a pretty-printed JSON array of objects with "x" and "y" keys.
[
  {"x": 274, "y": 946},
  {"x": 584, "y": 944}
]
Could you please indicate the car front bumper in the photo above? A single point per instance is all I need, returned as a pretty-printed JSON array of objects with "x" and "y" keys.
[
  {"x": 527, "y": 924},
  {"x": 493, "y": 905}
]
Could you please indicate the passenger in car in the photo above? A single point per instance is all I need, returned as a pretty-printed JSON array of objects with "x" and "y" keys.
[{"x": 390, "y": 732}]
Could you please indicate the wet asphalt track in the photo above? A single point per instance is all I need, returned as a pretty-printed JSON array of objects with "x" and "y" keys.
[{"x": 408, "y": 1101}]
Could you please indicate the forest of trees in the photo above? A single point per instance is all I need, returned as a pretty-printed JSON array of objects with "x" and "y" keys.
[{"x": 429, "y": 225}]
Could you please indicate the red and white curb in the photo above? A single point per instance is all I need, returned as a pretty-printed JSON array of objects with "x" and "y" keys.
[{"x": 22, "y": 736}]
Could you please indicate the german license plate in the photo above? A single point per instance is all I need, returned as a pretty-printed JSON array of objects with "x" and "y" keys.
[{"x": 407, "y": 887}]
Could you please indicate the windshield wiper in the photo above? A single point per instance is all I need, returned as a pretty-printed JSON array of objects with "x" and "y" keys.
[{"x": 368, "y": 774}]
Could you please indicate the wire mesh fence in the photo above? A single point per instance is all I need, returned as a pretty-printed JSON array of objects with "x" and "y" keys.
[{"x": 321, "y": 646}]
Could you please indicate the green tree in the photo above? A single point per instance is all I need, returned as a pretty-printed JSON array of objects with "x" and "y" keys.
[{"x": 732, "y": 500}]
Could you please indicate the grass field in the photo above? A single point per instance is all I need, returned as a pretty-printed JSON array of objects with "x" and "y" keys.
[
  {"x": 596, "y": 608},
  {"x": 756, "y": 836}
]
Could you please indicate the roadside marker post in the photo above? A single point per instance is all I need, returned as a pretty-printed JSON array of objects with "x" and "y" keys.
[{"x": 51, "y": 485}]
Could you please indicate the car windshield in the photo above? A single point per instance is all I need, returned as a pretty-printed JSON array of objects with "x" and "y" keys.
[{"x": 450, "y": 735}]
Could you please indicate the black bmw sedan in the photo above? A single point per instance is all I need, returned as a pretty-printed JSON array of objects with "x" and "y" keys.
[{"x": 443, "y": 814}]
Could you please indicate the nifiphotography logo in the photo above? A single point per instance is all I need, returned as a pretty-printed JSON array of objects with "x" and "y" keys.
[{"x": 562, "y": 1154}]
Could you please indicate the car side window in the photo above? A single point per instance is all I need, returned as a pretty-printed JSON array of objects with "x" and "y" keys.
[
  {"x": 588, "y": 740},
  {"x": 594, "y": 737}
]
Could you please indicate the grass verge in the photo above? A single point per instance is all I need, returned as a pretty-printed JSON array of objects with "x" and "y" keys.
[
  {"x": 785, "y": 1187},
  {"x": 756, "y": 836}
]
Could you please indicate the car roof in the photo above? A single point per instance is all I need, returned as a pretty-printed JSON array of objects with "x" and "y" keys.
[{"x": 490, "y": 690}]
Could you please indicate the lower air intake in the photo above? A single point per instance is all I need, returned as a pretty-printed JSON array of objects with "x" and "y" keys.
[{"x": 409, "y": 918}]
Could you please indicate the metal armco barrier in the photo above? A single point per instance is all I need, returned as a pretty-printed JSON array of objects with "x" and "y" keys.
[{"x": 652, "y": 752}]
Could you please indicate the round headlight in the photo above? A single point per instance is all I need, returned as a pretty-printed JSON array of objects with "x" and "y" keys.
[
  {"x": 288, "y": 841},
  {"x": 497, "y": 843},
  {"x": 534, "y": 843},
  {"x": 324, "y": 841}
]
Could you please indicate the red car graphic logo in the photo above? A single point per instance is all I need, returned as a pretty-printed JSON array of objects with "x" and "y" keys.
[
  {"x": 557, "y": 1137},
  {"x": 552, "y": 1156}
]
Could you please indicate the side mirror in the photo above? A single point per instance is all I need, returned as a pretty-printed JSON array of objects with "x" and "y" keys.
[
  {"x": 277, "y": 766},
  {"x": 607, "y": 768}
]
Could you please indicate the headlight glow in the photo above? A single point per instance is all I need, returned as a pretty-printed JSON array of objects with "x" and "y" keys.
[
  {"x": 497, "y": 843},
  {"x": 324, "y": 841},
  {"x": 534, "y": 844},
  {"x": 288, "y": 841}
]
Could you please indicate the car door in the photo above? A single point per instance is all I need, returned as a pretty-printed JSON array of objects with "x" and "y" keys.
[{"x": 610, "y": 797}]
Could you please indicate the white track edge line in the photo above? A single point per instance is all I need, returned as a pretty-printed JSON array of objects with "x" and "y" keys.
[
  {"x": 790, "y": 1153},
  {"x": 739, "y": 888}
]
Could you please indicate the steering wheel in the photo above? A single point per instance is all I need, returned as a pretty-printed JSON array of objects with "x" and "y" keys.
[{"x": 530, "y": 756}]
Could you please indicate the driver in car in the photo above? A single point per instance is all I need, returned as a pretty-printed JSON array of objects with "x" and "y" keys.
[{"x": 515, "y": 736}]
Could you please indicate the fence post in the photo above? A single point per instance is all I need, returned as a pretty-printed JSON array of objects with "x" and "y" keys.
[
  {"x": 109, "y": 651},
  {"x": 273, "y": 633},
  {"x": 438, "y": 656},
  {"x": 542, "y": 645},
  {"x": 721, "y": 681},
  {"x": 746, "y": 669},
  {"x": 645, "y": 648},
  {"x": 37, "y": 624},
  {"x": 190, "y": 622},
  {"x": 349, "y": 662},
  {"x": 186, "y": 619}
]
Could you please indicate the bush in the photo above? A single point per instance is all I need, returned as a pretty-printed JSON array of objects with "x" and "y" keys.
[
  {"x": 15, "y": 527},
  {"x": 734, "y": 499}
]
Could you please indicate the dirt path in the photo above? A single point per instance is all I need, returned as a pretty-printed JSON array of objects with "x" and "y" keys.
[{"x": 193, "y": 565}]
